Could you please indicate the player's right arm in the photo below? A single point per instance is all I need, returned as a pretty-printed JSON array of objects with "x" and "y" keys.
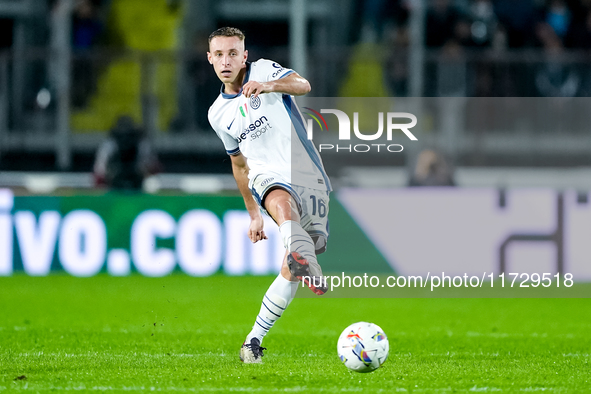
[{"x": 240, "y": 171}]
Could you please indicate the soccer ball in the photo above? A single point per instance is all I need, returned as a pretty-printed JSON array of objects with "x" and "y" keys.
[{"x": 363, "y": 347}]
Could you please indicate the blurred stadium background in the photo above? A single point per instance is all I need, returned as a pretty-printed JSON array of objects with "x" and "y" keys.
[
  {"x": 501, "y": 90},
  {"x": 69, "y": 69},
  {"x": 515, "y": 77}
]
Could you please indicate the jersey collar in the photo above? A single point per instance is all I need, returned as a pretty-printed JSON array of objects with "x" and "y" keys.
[{"x": 231, "y": 96}]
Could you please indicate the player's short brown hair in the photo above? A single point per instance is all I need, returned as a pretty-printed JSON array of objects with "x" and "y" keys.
[{"x": 227, "y": 32}]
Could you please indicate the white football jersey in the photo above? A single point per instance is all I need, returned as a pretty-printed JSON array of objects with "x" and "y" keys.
[{"x": 269, "y": 131}]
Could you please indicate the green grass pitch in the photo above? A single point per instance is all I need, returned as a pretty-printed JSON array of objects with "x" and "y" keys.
[{"x": 183, "y": 334}]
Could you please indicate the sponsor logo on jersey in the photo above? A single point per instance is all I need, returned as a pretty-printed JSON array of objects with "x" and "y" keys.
[
  {"x": 276, "y": 73},
  {"x": 255, "y": 102},
  {"x": 255, "y": 129}
]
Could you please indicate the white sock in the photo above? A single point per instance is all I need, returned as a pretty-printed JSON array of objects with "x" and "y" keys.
[
  {"x": 294, "y": 288},
  {"x": 276, "y": 299},
  {"x": 296, "y": 239}
]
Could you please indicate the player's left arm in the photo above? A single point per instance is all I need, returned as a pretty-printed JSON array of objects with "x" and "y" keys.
[{"x": 293, "y": 84}]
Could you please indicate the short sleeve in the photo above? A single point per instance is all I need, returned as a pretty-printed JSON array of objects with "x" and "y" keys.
[
  {"x": 230, "y": 143},
  {"x": 271, "y": 70}
]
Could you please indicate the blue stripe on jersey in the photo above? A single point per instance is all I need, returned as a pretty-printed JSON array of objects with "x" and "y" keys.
[
  {"x": 246, "y": 77},
  {"x": 233, "y": 151},
  {"x": 298, "y": 123},
  {"x": 286, "y": 74}
]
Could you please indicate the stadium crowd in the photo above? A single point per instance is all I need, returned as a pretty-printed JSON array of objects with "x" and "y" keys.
[
  {"x": 489, "y": 47},
  {"x": 488, "y": 23}
]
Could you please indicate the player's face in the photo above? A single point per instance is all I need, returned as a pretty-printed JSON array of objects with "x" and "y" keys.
[{"x": 228, "y": 57}]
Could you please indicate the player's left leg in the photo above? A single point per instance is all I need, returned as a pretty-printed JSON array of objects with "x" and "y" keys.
[{"x": 282, "y": 206}]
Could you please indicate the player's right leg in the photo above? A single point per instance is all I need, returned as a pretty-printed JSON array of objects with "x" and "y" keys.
[
  {"x": 301, "y": 259},
  {"x": 284, "y": 209}
]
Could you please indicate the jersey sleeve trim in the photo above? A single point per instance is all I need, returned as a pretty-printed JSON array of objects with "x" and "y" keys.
[
  {"x": 233, "y": 151},
  {"x": 289, "y": 72}
]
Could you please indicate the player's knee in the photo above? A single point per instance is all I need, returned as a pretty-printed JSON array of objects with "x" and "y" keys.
[
  {"x": 285, "y": 207},
  {"x": 281, "y": 206}
]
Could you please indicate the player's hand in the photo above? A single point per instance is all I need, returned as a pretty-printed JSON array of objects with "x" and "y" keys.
[
  {"x": 254, "y": 88},
  {"x": 255, "y": 231}
]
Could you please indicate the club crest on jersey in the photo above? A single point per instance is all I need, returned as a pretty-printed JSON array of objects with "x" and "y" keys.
[
  {"x": 244, "y": 110},
  {"x": 255, "y": 102}
]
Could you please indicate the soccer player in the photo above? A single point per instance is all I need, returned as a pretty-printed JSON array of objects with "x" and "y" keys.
[{"x": 277, "y": 169}]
